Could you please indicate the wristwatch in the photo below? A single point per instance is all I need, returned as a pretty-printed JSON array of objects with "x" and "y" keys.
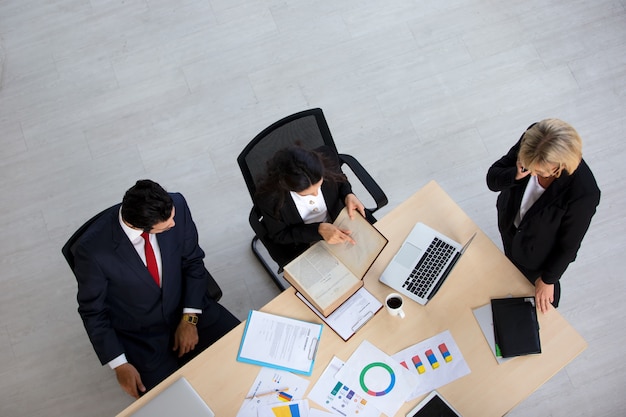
[{"x": 190, "y": 319}]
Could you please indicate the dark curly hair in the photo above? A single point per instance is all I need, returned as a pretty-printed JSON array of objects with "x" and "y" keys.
[
  {"x": 296, "y": 169},
  {"x": 146, "y": 204}
]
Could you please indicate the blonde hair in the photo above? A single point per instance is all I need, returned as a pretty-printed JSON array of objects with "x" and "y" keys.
[{"x": 554, "y": 142}]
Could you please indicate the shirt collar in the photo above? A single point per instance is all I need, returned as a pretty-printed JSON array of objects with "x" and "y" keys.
[
  {"x": 306, "y": 198},
  {"x": 133, "y": 234}
]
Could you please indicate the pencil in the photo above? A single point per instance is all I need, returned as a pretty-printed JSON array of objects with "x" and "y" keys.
[{"x": 263, "y": 394}]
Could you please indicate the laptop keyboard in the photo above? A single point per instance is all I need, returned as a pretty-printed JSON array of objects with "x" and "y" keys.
[{"x": 429, "y": 267}]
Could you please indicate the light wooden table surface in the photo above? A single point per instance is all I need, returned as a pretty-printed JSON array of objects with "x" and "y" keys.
[{"x": 481, "y": 274}]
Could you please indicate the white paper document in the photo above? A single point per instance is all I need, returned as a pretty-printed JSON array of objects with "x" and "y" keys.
[
  {"x": 339, "y": 398},
  {"x": 314, "y": 412},
  {"x": 351, "y": 315},
  {"x": 272, "y": 386},
  {"x": 279, "y": 342},
  {"x": 298, "y": 408}
]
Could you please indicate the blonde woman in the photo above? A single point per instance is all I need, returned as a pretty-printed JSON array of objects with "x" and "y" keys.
[{"x": 548, "y": 196}]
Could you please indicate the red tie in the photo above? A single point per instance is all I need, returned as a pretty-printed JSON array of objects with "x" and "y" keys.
[{"x": 150, "y": 258}]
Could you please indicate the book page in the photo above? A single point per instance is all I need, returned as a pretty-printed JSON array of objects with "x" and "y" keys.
[
  {"x": 322, "y": 277},
  {"x": 369, "y": 243}
]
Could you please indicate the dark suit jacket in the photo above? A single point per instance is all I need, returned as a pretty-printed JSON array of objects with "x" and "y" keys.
[
  {"x": 122, "y": 308},
  {"x": 287, "y": 235},
  {"x": 552, "y": 230}
]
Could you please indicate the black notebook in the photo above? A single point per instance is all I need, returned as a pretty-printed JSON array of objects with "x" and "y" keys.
[{"x": 515, "y": 326}]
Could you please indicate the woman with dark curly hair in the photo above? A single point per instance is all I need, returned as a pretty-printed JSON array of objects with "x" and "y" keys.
[{"x": 302, "y": 193}]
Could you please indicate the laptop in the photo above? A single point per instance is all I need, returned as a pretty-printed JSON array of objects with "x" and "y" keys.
[
  {"x": 422, "y": 264},
  {"x": 179, "y": 399}
]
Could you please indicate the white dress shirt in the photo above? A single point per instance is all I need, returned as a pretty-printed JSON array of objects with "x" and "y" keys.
[
  {"x": 139, "y": 244},
  {"x": 533, "y": 191},
  {"x": 312, "y": 209}
]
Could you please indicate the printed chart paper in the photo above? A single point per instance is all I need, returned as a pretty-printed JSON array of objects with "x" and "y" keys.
[
  {"x": 337, "y": 397},
  {"x": 299, "y": 408},
  {"x": 435, "y": 362},
  {"x": 272, "y": 386},
  {"x": 377, "y": 377}
]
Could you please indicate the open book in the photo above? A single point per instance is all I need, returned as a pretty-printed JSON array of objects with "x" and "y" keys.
[{"x": 327, "y": 275}]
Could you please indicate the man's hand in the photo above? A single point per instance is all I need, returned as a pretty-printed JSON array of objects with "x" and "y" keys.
[
  {"x": 353, "y": 203},
  {"x": 544, "y": 294},
  {"x": 186, "y": 338},
  {"x": 333, "y": 235},
  {"x": 129, "y": 379}
]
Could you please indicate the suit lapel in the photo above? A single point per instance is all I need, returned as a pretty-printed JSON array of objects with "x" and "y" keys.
[
  {"x": 289, "y": 211},
  {"x": 551, "y": 194},
  {"x": 166, "y": 248},
  {"x": 331, "y": 197}
]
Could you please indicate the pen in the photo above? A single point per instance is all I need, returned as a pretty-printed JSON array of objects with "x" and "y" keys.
[{"x": 263, "y": 394}]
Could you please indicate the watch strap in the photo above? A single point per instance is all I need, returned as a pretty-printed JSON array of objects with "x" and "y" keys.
[{"x": 191, "y": 319}]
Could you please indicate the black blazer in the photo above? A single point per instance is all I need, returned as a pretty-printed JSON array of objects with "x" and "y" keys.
[
  {"x": 287, "y": 235},
  {"x": 122, "y": 308},
  {"x": 552, "y": 230}
]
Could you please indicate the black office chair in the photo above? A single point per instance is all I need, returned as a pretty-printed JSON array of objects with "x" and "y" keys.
[
  {"x": 309, "y": 129},
  {"x": 67, "y": 250}
]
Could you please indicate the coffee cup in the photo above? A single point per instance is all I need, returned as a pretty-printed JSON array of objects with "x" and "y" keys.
[{"x": 394, "y": 303}]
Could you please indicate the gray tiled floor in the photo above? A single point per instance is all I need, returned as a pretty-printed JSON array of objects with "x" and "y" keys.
[{"x": 98, "y": 93}]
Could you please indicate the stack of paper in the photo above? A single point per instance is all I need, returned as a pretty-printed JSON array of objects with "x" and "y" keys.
[
  {"x": 372, "y": 382},
  {"x": 279, "y": 342},
  {"x": 369, "y": 383}
]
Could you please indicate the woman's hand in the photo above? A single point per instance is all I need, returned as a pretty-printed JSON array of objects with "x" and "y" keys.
[
  {"x": 521, "y": 171},
  {"x": 353, "y": 203},
  {"x": 333, "y": 235},
  {"x": 544, "y": 294}
]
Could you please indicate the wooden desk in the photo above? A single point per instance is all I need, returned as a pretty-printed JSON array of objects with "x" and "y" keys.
[{"x": 483, "y": 273}]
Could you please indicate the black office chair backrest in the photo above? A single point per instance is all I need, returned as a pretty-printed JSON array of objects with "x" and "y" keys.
[
  {"x": 308, "y": 128},
  {"x": 68, "y": 249}
]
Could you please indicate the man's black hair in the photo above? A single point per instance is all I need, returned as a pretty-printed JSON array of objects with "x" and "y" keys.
[{"x": 146, "y": 204}]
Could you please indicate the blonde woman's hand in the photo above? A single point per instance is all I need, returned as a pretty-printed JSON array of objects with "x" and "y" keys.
[
  {"x": 521, "y": 171},
  {"x": 544, "y": 295}
]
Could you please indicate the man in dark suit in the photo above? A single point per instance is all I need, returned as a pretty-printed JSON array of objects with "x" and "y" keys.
[{"x": 142, "y": 288}]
